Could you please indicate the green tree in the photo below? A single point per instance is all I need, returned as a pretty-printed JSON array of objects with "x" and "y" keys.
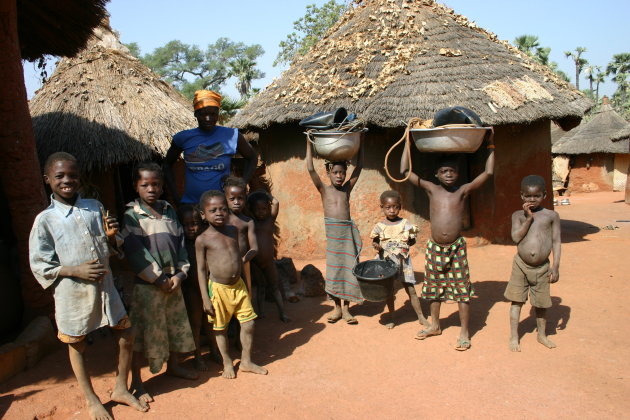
[
  {"x": 309, "y": 29},
  {"x": 579, "y": 63},
  {"x": 134, "y": 49},
  {"x": 619, "y": 67},
  {"x": 244, "y": 69},
  {"x": 600, "y": 77},
  {"x": 590, "y": 72},
  {"x": 529, "y": 45}
]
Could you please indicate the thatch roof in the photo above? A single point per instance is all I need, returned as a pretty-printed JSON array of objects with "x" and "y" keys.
[
  {"x": 106, "y": 108},
  {"x": 622, "y": 134},
  {"x": 56, "y": 27},
  {"x": 595, "y": 135},
  {"x": 557, "y": 132},
  {"x": 390, "y": 60}
]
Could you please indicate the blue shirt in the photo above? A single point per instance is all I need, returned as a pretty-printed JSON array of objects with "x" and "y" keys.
[
  {"x": 65, "y": 235},
  {"x": 207, "y": 156}
]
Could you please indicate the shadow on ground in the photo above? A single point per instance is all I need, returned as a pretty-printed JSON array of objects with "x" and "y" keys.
[
  {"x": 557, "y": 318},
  {"x": 575, "y": 231}
]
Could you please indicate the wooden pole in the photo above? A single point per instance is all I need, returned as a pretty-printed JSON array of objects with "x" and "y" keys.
[{"x": 19, "y": 167}]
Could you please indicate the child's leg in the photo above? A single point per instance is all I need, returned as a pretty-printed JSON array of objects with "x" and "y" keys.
[
  {"x": 345, "y": 313},
  {"x": 194, "y": 308},
  {"x": 120, "y": 393},
  {"x": 390, "y": 307},
  {"x": 415, "y": 303},
  {"x": 222, "y": 343},
  {"x": 136, "y": 379},
  {"x": 434, "y": 328},
  {"x": 271, "y": 274},
  {"x": 258, "y": 298},
  {"x": 463, "y": 342},
  {"x": 515, "y": 316},
  {"x": 541, "y": 325},
  {"x": 247, "y": 337},
  {"x": 336, "y": 315},
  {"x": 215, "y": 355},
  {"x": 96, "y": 409}
]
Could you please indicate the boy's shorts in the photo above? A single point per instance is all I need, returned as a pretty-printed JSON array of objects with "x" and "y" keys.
[
  {"x": 526, "y": 277},
  {"x": 230, "y": 300},
  {"x": 123, "y": 324}
]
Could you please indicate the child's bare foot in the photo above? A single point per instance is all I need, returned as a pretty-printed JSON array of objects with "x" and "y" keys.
[
  {"x": 181, "y": 372},
  {"x": 124, "y": 397},
  {"x": 284, "y": 318},
  {"x": 347, "y": 316},
  {"x": 336, "y": 315},
  {"x": 514, "y": 344},
  {"x": 389, "y": 322},
  {"x": 252, "y": 368},
  {"x": 426, "y": 333},
  {"x": 228, "y": 371},
  {"x": 200, "y": 365},
  {"x": 542, "y": 339},
  {"x": 97, "y": 411},
  {"x": 139, "y": 392}
]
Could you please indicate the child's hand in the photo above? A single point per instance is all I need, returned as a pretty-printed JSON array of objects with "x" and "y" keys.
[
  {"x": 91, "y": 270},
  {"x": 110, "y": 224},
  {"x": 554, "y": 275},
  {"x": 176, "y": 282},
  {"x": 527, "y": 208},
  {"x": 166, "y": 285},
  {"x": 377, "y": 246},
  {"x": 208, "y": 308}
]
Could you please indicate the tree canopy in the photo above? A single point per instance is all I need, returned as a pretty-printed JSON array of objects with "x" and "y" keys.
[{"x": 530, "y": 45}]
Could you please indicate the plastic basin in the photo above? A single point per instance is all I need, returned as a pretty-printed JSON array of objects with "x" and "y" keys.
[{"x": 376, "y": 279}]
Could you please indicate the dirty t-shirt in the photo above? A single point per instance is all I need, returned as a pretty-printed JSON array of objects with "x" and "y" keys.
[{"x": 207, "y": 156}]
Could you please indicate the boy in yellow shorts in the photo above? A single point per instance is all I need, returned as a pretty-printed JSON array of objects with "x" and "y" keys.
[{"x": 219, "y": 269}]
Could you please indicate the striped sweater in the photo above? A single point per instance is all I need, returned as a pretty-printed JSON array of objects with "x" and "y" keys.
[{"x": 154, "y": 247}]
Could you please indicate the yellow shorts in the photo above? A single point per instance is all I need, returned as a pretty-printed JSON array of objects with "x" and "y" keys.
[
  {"x": 123, "y": 324},
  {"x": 230, "y": 300}
]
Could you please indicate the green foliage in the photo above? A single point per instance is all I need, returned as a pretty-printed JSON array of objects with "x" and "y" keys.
[
  {"x": 309, "y": 29},
  {"x": 134, "y": 49},
  {"x": 529, "y": 45},
  {"x": 619, "y": 67},
  {"x": 579, "y": 63}
]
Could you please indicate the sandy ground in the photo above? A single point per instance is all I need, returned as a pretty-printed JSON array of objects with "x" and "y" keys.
[{"x": 319, "y": 370}]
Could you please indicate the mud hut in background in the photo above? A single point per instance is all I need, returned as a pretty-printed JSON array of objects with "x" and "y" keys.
[
  {"x": 624, "y": 134},
  {"x": 30, "y": 30},
  {"x": 389, "y": 61},
  {"x": 110, "y": 111},
  {"x": 597, "y": 162}
]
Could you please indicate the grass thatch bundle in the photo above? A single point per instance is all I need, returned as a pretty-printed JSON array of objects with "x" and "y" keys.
[
  {"x": 623, "y": 134},
  {"x": 105, "y": 107},
  {"x": 595, "y": 136},
  {"x": 56, "y": 27},
  {"x": 391, "y": 60}
]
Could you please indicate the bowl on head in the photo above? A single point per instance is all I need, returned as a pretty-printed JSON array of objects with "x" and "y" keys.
[{"x": 452, "y": 138}]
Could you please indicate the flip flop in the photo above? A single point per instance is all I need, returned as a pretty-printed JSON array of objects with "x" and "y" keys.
[
  {"x": 424, "y": 334},
  {"x": 332, "y": 320},
  {"x": 462, "y": 344},
  {"x": 351, "y": 321}
]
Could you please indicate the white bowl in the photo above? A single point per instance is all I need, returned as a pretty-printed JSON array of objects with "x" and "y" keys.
[
  {"x": 449, "y": 139},
  {"x": 336, "y": 146}
]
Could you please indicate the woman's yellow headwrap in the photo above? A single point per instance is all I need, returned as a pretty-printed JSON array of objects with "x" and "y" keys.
[{"x": 204, "y": 98}]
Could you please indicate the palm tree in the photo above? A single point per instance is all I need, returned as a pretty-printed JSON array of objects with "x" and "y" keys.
[
  {"x": 244, "y": 69},
  {"x": 600, "y": 77},
  {"x": 229, "y": 108},
  {"x": 579, "y": 63},
  {"x": 527, "y": 43},
  {"x": 620, "y": 67},
  {"x": 589, "y": 71}
]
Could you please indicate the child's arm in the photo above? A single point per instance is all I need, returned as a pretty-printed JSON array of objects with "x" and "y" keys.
[
  {"x": 275, "y": 207},
  {"x": 354, "y": 177},
  {"x": 554, "y": 274},
  {"x": 487, "y": 173},
  {"x": 249, "y": 154},
  {"x": 202, "y": 275},
  {"x": 253, "y": 242},
  {"x": 311, "y": 169},
  {"x": 183, "y": 265},
  {"x": 521, "y": 227},
  {"x": 413, "y": 178},
  {"x": 173, "y": 153}
]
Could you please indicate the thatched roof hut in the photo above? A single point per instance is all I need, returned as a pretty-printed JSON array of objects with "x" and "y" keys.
[
  {"x": 107, "y": 108},
  {"x": 622, "y": 134},
  {"x": 392, "y": 60},
  {"x": 595, "y": 135}
]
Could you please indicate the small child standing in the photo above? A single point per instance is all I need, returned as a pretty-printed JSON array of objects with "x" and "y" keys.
[
  {"x": 536, "y": 231},
  {"x": 392, "y": 238},
  {"x": 69, "y": 249},
  {"x": 219, "y": 265},
  {"x": 190, "y": 219},
  {"x": 343, "y": 240},
  {"x": 265, "y": 211},
  {"x": 155, "y": 249},
  {"x": 446, "y": 274}
]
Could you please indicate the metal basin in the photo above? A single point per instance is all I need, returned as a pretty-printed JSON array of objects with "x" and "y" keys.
[
  {"x": 376, "y": 279},
  {"x": 336, "y": 146},
  {"x": 447, "y": 139}
]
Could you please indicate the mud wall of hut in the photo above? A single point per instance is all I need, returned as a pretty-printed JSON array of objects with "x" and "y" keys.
[
  {"x": 521, "y": 150},
  {"x": 592, "y": 172}
]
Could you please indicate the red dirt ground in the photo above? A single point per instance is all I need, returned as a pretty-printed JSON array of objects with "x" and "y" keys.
[{"x": 319, "y": 370}]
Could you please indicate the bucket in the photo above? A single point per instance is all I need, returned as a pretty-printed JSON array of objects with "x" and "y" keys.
[
  {"x": 454, "y": 138},
  {"x": 325, "y": 120},
  {"x": 376, "y": 279},
  {"x": 336, "y": 146}
]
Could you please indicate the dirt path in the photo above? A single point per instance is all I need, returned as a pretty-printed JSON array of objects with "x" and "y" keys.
[{"x": 339, "y": 371}]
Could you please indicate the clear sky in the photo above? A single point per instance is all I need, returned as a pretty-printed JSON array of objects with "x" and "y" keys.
[{"x": 603, "y": 27}]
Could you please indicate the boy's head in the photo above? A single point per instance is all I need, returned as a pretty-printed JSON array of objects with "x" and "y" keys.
[
  {"x": 447, "y": 171},
  {"x": 61, "y": 172},
  {"x": 337, "y": 172},
  {"x": 190, "y": 218},
  {"x": 390, "y": 204},
  {"x": 214, "y": 209},
  {"x": 148, "y": 181},
  {"x": 533, "y": 191},
  {"x": 236, "y": 193},
  {"x": 259, "y": 204}
]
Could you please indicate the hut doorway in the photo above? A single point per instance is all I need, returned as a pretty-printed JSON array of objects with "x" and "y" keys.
[{"x": 11, "y": 303}]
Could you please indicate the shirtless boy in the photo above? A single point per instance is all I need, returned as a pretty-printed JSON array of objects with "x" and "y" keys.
[
  {"x": 536, "y": 231},
  {"x": 236, "y": 194},
  {"x": 446, "y": 265},
  {"x": 265, "y": 211},
  {"x": 219, "y": 263},
  {"x": 343, "y": 240}
]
